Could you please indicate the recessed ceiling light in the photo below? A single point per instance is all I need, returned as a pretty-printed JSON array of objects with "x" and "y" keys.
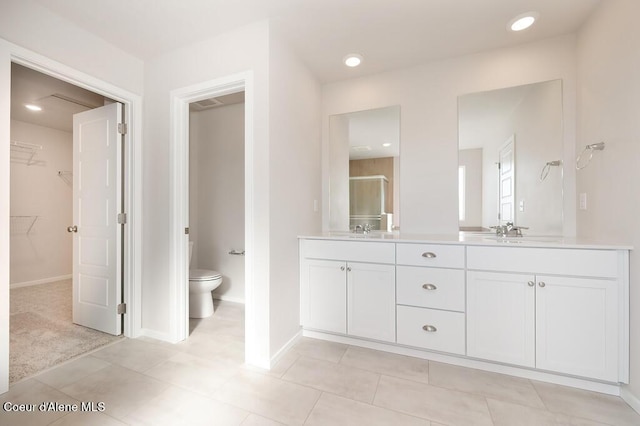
[
  {"x": 523, "y": 21},
  {"x": 32, "y": 107},
  {"x": 352, "y": 60},
  {"x": 386, "y": 144}
]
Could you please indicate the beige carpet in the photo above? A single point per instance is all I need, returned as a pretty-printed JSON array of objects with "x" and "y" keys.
[{"x": 42, "y": 334}]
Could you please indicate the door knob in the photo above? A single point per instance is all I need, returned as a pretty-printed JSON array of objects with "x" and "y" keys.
[{"x": 73, "y": 228}]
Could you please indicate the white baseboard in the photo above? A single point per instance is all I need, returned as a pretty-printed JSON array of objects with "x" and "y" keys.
[
  {"x": 152, "y": 334},
  {"x": 40, "y": 281},
  {"x": 228, "y": 298},
  {"x": 275, "y": 358},
  {"x": 629, "y": 398}
]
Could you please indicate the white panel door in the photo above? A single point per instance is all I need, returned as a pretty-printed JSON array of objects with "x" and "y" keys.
[
  {"x": 577, "y": 326},
  {"x": 507, "y": 189},
  {"x": 371, "y": 301},
  {"x": 97, "y": 249},
  {"x": 500, "y": 317}
]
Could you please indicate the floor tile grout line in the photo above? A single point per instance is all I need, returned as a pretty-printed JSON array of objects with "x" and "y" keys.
[
  {"x": 486, "y": 403},
  {"x": 315, "y": 404}
]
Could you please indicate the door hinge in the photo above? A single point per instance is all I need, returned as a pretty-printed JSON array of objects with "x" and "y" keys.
[
  {"x": 122, "y": 128},
  {"x": 122, "y": 308},
  {"x": 122, "y": 218},
  {"x": 186, "y": 231}
]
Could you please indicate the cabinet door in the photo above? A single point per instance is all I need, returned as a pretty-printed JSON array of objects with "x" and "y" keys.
[
  {"x": 577, "y": 326},
  {"x": 324, "y": 296},
  {"x": 500, "y": 317},
  {"x": 371, "y": 301}
]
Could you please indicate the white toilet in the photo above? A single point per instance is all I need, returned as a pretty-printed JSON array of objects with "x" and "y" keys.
[{"x": 201, "y": 283}]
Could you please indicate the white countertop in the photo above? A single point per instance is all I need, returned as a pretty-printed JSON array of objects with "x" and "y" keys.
[{"x": 473, "y": 238}]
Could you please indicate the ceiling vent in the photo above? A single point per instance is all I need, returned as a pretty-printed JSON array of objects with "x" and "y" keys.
[{"x": 205, "y": 104}]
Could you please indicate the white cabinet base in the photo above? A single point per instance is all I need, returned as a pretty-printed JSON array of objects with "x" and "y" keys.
[{"x": 525, "y": 373}]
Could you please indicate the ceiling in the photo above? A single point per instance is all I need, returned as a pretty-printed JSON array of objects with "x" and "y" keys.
[{"x": 389, "y": 34}]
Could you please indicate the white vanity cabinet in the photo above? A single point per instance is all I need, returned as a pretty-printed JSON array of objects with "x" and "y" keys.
[
  {"x": 565, "y": 315},
  {"x": 348, "y": 287},
  {"x": 557, "y": 312}
]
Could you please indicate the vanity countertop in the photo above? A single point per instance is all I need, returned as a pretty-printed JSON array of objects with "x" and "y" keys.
[{"x": 472, "y": 238}]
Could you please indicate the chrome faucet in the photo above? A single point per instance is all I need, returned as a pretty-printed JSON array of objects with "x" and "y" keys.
[
  {"x": 509, "y": 230},
  {"x": 362, "y": 229}
]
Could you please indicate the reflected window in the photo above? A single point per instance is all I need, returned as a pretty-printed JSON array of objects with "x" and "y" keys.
[{"x": 461, "y": 192}]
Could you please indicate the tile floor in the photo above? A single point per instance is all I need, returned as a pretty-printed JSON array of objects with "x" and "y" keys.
[{"x": 203, "y": 381}]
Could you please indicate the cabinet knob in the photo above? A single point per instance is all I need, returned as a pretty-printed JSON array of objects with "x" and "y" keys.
[
  {"x": 541, "y": 284},
  {"x": 348, "y": 268},
  {"x": 342, "y": 268},
  {"x": 429, "y": 328},
  {"x": 429, "y": 255},
  {"x": 531, "y": 283},
  {"x": 429, "y": 287}
]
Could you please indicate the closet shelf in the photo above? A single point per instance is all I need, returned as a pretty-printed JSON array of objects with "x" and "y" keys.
[
  {"x": 66, "y": 176},
  {"x": 29, "y": 149},
  {"x": 22, "y": 224}
]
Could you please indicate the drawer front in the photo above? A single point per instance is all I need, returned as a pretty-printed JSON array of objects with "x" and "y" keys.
[
  {"x": 447, "y": 329},
  {"x": 435, "y": 255},
  {"x": 588, "y": 263},
  {"x": 355, "y": 251},
  {"x": 430, "y": 287}
]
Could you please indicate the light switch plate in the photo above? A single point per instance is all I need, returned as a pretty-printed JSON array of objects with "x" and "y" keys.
[{"x": 583, "y": 201}]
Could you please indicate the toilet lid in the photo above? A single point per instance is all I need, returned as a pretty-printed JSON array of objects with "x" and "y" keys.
[{"x": 203, "y": 275}]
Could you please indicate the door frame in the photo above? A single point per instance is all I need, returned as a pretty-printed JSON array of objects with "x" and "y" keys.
[
  {"x": 179, "y": 176},
  {"x": 133, "y": 184}
]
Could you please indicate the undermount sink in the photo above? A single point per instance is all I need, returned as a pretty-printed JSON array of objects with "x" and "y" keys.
[{"x": 524, "y": 239}]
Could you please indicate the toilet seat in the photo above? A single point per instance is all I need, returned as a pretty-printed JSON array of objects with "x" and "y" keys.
[{"x": 203, "y": 275}]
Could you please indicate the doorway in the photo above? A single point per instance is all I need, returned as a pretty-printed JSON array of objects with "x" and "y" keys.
[
  {"x": 216, "y": 214},
  {"x": 256, "y": 348},
  {"x": 43, "y": 191}
]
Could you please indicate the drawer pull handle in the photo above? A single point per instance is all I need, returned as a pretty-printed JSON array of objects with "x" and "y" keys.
[
  {"x": 429, "y": 328},
  {"x": 429, "y": 255},
  {"x": 429, "y": 287},
  {"x": 541, "y": 284}
]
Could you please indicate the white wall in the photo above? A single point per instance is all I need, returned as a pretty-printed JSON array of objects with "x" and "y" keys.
[
  {"x": 44, "y": 253},
  {"x": 216, "y": 195},
  {"x": 294, "y": 105},
  {"x": 609, "y": 111},
  {"x": 243, "y": 50},
  {"x": 27, "y": 25},
  {"x": 427, "y": 96},
  {"x": 285, "y": 175}
]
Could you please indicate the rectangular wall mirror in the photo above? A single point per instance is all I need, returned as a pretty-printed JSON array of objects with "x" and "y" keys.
[
  {"x": 364, "y": 169},
  {"x": 510, "y": 159}
]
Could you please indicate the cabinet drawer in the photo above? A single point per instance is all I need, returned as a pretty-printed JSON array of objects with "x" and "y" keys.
[
  {"x": 447, "y": 334},
  {"x": 430, "y": 287},
  {"x": 355, "y": 251},
  {"x": 437, "y": 255},
  {"x": 577, "y": 262}
]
